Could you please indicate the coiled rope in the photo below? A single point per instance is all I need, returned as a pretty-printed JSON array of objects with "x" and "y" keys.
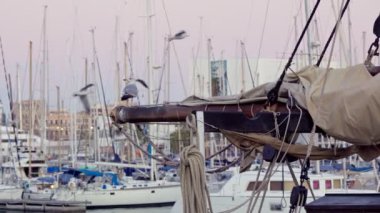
[{"x": 193, "y": 181}]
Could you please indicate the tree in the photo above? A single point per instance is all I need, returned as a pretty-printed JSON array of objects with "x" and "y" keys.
[{"x": 179, "y": 137}]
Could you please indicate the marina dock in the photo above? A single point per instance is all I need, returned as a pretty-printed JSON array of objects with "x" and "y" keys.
[{"x": 42, "y": 205}]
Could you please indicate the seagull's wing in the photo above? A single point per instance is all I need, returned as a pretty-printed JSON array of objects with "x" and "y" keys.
[
  {"x": 86, "y": 87},
  {"x": 142, "y": 83},
  {"x": 86, "y": 103},
  {"x": 82, "y": 94},
  {"x": 180, "y": 33},
  {"x": 376, "y": 27}
]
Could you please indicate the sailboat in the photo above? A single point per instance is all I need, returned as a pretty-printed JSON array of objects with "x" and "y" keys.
[
  {"x": 268, "y": 118},
  {"x": 106, "y": 190},
  {"x": 103, "y": 189}
]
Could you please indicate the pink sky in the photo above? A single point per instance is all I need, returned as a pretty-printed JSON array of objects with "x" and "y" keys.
[{"x": 225, "y": 21}]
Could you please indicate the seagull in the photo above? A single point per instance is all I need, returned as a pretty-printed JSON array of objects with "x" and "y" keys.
[
  {"x": 82, "y": 94},
  {"x": 130, "y": 91},
  {"x": 180, "y": 35}
]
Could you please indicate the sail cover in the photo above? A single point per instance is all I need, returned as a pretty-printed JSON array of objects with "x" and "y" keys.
[{"x": 345, "y": 103}]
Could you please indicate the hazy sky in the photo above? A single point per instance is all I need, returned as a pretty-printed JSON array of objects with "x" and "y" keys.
[{"x": 224, "y": 21}]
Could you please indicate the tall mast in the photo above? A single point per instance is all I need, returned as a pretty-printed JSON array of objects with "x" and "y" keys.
[
  {"x": 44, "y": 84},
  {"x": 118, "y": 84},
  {"x": 130, "y": 53},
  {"x": 149, "y": 50},
  {"x": 364, "y": 45},
  {"x": 117, "y": 66},
  {"x": 19, "y": 97},
  {"x": 85, "y": 71},
  {"x": 59, "y": 129},
  {"x": 31, "y": 126},
  {"x": 150, "y": 76},
  {"x": 209, "y": 67},
  {"x": 242, "y": 67},
  {"x": 349, "y": 36},
  {"x": 295, "y": 38},
  {"x": 168, "y": 73},
  {"x": 125, "y": 62},
  {"x": 308, "y": 34}
]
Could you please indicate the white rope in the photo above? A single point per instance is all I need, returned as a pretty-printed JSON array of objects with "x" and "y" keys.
[
  {"x": 263, "y": 186},
  {"x": 271, "y": 172},
  {"x": 193, "y": 181}
]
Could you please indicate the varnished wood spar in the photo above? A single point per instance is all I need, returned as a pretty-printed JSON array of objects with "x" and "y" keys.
[{"x": 177, "y": 113}]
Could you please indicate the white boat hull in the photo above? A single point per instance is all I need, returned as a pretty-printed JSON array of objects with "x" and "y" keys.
[
  {"x": 130, "y": 197},
  {"x": 10, "y": 192},
  {"x": 224, "y": 203}
]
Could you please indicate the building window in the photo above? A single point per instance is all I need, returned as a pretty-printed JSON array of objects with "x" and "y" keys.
[
  {"x": 315, "y": 184},
  {"x": 337, "y": 184},
  {"x": 252, "y": 184},
  {"x": 276, "y": 185},
  {"x": 328, "y": 184}
]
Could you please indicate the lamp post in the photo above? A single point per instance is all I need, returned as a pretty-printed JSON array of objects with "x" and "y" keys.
[{"x": 178, "y": 36}]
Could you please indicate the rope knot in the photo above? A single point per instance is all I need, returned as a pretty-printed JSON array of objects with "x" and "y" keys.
[
  {"x": 193, "y": 180},
  {"x": 185, "y": 162}
]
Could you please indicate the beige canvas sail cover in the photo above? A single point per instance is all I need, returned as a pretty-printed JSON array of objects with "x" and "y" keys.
[
  {"x": 348, "y": 108},
  {"x": 250, "y": 141},
  {"x": 344, "y": 102}
]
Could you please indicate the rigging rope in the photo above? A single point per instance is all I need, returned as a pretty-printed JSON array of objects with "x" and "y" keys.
[
  {"x": 96, "y": 60},
  {"x": 174, "y": 49},
  {"x": 9, "y": 92},
  {"x": 273, "y": 93},
  {"x": 332, "y": 33},
  {"x": 261, "y": 42},
  {"x": 166, "y": 161}
]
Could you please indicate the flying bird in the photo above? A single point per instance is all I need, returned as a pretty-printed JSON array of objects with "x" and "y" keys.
[
  {"x": 180, "y": 35},
  {"x": 82, "y": 94},
  {"x": 130, "y": 90}
]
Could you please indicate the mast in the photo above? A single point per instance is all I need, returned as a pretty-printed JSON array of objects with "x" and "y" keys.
[
  {"x": 125, "y": 63},
  {"x": 242, "y": 67},
  {"x": 168, "y": 72},
  {"x": 150, "y": 77},
  {"x": 295, "y": 38},
  {"x": 130, "y": 53},
  {"x": 308, "y": 34},
  {"x": 19, "y": 97},
  {"x": 364, "y": 35},
  {"x": 85, "y": 71},
  {"x": 149, "y": 50},
  {"x": 349, "y": 36},
  {"x": 118, "y": 85},
  {"x": 73, "y": 130},
  {"x": 59, "y": 129},
  {"x": 31, "y": 126},
  {"x": 209, "y": 67},
  {"x": 44, "y": 84}
]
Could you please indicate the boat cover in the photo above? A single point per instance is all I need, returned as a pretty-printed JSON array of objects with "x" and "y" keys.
[
  {"x": 345, "y": 103},
  {"x": 250, "y": 141}
]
